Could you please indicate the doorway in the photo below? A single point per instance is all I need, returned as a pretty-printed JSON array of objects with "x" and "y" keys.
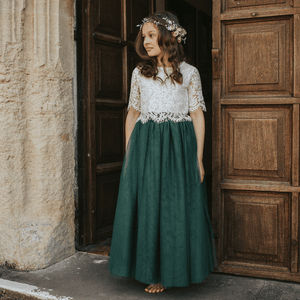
[
  {"x": 108, "y": 58},
  {"x": 252, "y": 94},
  {"x": 196, "y": 18}
]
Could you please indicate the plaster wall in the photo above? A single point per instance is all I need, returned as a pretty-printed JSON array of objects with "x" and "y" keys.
[{"x": 36, "y": 136}]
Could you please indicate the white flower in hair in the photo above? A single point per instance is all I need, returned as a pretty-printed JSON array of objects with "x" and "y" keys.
[
  {"x": 177, "y": 31},
  {"x": 171, "y": 27}
]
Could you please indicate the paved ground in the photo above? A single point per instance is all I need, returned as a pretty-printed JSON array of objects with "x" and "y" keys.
[
  {"x": 9, "y": 295},
  {"x": 85, "y": 276}
]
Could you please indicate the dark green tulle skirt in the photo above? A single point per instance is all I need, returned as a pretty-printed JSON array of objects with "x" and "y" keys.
[{"x": 162, "y": 230}]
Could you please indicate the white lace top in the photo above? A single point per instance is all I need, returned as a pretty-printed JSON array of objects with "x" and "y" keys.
[{"x": 163, "y": 101}]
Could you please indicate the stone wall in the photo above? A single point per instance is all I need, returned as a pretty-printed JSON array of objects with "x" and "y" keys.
[{"x": 36, "y": 135}]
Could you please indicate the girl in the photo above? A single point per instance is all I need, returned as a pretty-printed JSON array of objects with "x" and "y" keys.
[{"x": 162, "y": 233}]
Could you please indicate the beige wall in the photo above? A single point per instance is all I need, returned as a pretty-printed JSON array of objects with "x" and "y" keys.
[{"x": 36, "y": 136}]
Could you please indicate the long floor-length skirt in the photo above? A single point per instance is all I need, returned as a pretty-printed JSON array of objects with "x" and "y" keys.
[{"x": 162, "y": 230}]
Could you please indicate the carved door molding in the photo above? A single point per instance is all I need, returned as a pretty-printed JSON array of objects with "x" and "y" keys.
[{"x": 256, "y": 96}]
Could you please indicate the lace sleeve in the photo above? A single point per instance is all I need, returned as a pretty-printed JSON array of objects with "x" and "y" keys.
[
  {"x": 135, "y": 97},
  {"x": 195, "y": 93}
]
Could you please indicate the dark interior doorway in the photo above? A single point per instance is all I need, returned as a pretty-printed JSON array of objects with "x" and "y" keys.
[
  {"x": 198, "y": 24},
  {"x": 101, "y": 103}
]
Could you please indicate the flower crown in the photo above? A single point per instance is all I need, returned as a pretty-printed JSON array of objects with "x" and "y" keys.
[{"x": 178, "y": 31}]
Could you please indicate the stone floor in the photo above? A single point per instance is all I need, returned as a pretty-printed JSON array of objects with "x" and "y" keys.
[{"x": 85, "y": 276}]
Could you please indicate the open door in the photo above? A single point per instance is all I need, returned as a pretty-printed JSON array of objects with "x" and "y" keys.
[
  {"x": 256, "y": 96},
  {"x": 109, "y": 31}
]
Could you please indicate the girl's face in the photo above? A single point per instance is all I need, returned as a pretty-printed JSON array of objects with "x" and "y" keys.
[{"x": 150, "y": 35}]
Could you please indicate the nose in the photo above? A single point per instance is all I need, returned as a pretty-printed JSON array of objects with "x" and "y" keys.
[{"x": 146, "y": 40}]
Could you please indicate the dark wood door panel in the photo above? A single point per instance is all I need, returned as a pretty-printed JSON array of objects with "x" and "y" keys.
[
  {"x": 257, "y": 228},
  {"x": 248, "y": 4},
  {"x": 109, "y": 136},
  {"x": 107, "y": 195},
  {"x": 106, "y": 17},
  {"x": 108, "y": 71},
  {"x": 258, "y": 55},
  {"x": 136, "y": 11},
  {"x": 109, "y": 29},
  {"x": 257, "y": 143}
]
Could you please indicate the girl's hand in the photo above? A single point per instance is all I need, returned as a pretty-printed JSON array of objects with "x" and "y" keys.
[
  {"x": 201, "y": 170},
  {"x": 199, "y": 127}
]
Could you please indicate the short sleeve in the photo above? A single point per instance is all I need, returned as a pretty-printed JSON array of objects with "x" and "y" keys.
[
  {"x": 196, "y": 99},
  {"x": 135, "y": 96}
]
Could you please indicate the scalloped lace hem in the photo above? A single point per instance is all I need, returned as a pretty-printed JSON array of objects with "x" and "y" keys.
[
  {"x": 195, "y": 107},
  {"x": 163, "y": 117}
]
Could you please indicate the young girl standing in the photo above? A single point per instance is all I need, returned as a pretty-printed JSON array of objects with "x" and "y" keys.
[{"x": 162, "y": 234}]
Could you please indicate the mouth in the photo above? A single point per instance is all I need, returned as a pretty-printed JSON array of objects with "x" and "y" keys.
[{"x": 149, "y": 49}]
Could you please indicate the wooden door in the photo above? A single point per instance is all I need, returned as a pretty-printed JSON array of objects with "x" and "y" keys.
[
  {"x": 109, "y": 31},
  {"x": 256, "y": 96}
]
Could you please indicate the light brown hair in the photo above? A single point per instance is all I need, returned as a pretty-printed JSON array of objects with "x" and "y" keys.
[{"x": 169, "y": 46}]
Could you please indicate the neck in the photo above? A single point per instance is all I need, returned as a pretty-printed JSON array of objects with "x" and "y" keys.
[{"x": 165, "y": 60}]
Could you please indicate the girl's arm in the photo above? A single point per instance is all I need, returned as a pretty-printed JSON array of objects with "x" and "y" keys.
[
  {"x": 199, "y": 127},
  {"x": 131, "y": 118}
]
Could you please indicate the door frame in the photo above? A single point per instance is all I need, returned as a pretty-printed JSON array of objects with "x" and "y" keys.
[
  {"x": 81, "y": 193},
  {"x": 79, "y": 130}
]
